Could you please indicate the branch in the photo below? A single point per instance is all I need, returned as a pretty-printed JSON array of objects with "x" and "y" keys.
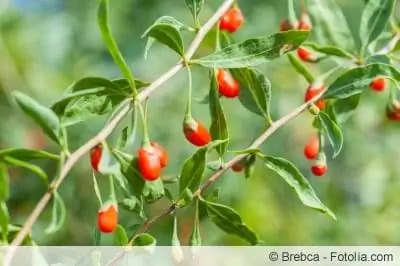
[{"x": 107, "y": 130}]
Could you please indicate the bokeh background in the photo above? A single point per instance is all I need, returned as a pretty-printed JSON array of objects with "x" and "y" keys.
[{"x": 45, "y": 45}]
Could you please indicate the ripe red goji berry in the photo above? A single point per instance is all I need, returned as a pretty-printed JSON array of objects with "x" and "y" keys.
[
  {"x": 196, "y": 133},
  {"x": 232, "y": 20},
  {"x": 227, "y": 85},
  {"x": 313, "y": 90},
  {"x": 319, "y": 169},
  {"x": 107, "y": 218},
  {"x": 149, "y": 164},
  {"x": 306, "y": 55},
  {"x": 161, "y": 153},
  {"x": 95, "y": 157},
  {"x": 305, "y": 22},
  {"x": 393, "y": 111},
  {"x": 311, "y": 150},
  {"x": 378, "y": 84},
  {"x": 239, "y": 165}
]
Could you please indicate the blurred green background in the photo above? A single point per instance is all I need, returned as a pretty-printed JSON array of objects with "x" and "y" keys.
[{"x": 45, "y": 45}]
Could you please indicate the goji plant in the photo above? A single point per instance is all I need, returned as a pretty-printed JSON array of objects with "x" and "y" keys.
[{"x": 315, "y": 31}]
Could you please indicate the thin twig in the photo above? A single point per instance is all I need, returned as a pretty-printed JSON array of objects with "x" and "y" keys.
[{"x": 107, "y": 130}]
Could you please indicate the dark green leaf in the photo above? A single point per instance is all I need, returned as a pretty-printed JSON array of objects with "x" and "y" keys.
[
  {"x": 253, "y": 52},
  {"x": 330, "y": 50},
  {"x": 228, "y": 220},
  {"x": 4, "y": 183},
  {"x": 193, "y": 169},
  {"x": 331, "y": 25},
  {"x": 250, "y": 162},
  {"x": 301, "y": 68},
  {"x": 58, "y": 215},
  {"x": 219, "y": 127},
  {"x": 297, "y": 181},
  {"x": 27, "y": 155},
  {"x": 123, "y": 84},
  {"x": 42, "y": 115},
  {"x": 374, "y": 19},
  {"x": 144, "y": 240},
  {"x": 344, "y": 108},
  {"x": 380, "y": 58},
  {"x": 195, "y": 7},
  {"x": 255, "y": 93},
  {"x": 4, "y": 220},
  {"x": 333, "y": 132},
  {"x": 166, "y": 30},
  {"x": 195, "y": 237},
  {"x": 357, "y": 79},
  {"x": 121, "y": 238},
  {"x": 102, "y": 19},
  {"x": 31, "y": 167}
]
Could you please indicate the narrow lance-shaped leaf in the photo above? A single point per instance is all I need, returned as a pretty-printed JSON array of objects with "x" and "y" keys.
[
  {"x": 102, "y": 19},
  {"x": 42, "y": 115},
  {"x": 4, "y": 182},
  {"x": 374, "y": 19},
  {"x": 219, "y": 127},
  {"x": 301, "y": 68},
  {"x": 228, "y": 220},
  {"x": 4, "y": 220},
  {"x": 332, "y": 25},
  {"x": 297, "y": 181},
  {"x": 195, "y": 7},
  {"x": 330, "y": 50},
  {"x": 255, "y": 92},
  {"x": 166, "y": 30},
  {"x": 253, "y": 52},
  {"x": 27, "y": 155},
  {"x": 31, "y": 167},
  {"x": 356, "y": 80},
  {"x": 193, "y": 169},
  {"x": 59, "y": 214},
  {"x": 333, "y": 131},
  {"x": 121, "y": 238}
]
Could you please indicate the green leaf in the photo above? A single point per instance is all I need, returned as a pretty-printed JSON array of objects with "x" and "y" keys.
[
  {"x": 59, "y": 214},
  {"x": 31, "y": 167},
  {"x": 333, "y": 132},
  {"x": 214, "y": 196},
  {"x": 128, "y": 135},
  {"x": 219, "y": 127},
  {"x": 356, "y": 80},
  {"x": 250, "y": 163},
  {"x": 4, "y": 183},
  {"x": 193, "y": 169},
  {"x": 195, "y": 7},
  {"x": 253, "y": 52},
  {"x": 228, "y": 220},
  {"x": 146, "y": 241},
  {"x": 344, "y": 108},
  {"x": 297, "y": 181},
  {"x": 42, "y": 115},
  {"x": 27, "y": 155},
  {"x": 332, "y": 27},
  {"x": 195, "y": 236},
  {"x": 153, "y": 190},
  {"x": 121, "y": 238},
  {"x": 255, "y": 92},
  {"x": 301, "y": 68},
  {"x": 102, "y": 19},
  {"x": 374, "y": 19},
  {"x": 380, "y": 58},
  {"x": 4, "y": 220},
  {"x": 329, "y": 50},
  {"x": 166, "y": 30}
]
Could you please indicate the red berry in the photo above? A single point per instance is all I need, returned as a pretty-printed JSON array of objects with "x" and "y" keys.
[
  {"x": 392, "y": 113},
  {"x": 239, "y": 166},
  {"x": 227, "y": 85},
  {"x": 149, "y": 164},
  {"x": 378, "y": 84},
  {"x": 95, "y": 157},
  {"x": 305, "y": 22},
  {"x": 196, "y": 133},
  {"x": 311, "y": 150},
  {"x": 314, "y": 90},
  {"x": 319, "y": 169},
  {"x": 161, "y": 153},
  {"x": 306, "y": 55},
  {"x": 107, "y": 218},
  {"x": 232, "y": 20}
]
